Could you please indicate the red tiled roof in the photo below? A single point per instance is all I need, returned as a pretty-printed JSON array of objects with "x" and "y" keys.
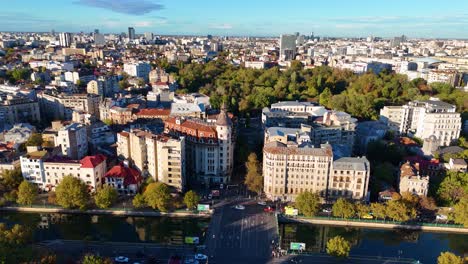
[
  {"x": 130, "y": 175},
  {"x": 124, "y": 134},
  {"x": 153, "y": 112},
  {"x": 133, "y": 106},
  {"x": 92, "y": 161}
]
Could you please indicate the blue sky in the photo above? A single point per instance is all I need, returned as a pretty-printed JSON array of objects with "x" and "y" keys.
[{"x": 414, "y": 18}]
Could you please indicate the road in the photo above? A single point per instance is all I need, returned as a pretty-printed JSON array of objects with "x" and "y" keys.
[
  {"x": 136, "y": 252},
  {"x": 241, "y": 236}
]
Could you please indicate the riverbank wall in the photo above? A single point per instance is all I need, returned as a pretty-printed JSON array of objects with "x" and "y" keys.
[
  {"x": 376, "y": 225},
  {"x": 115, "y": 212}
]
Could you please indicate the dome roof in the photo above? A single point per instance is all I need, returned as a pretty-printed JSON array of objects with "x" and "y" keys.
[{"x": 223, "y": 119}]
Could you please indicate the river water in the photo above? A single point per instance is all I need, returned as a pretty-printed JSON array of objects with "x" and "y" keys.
[
  {"x": 422, "y": 246},
  {"x": 161, "y": 230}
]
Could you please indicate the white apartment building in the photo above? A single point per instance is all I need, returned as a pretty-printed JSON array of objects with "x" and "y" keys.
[
  {"x": 138, "y": 69},
  {"x": 289, "y": 170},
  {"x": 73, "y": 140},
  {"x": 47, "y": 172},
  {"x": 171, "y": 162},
  {"x": 425, "y": 119}
]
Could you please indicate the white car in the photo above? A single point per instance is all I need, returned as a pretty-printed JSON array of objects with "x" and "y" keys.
[
  {"x": 201, "y": 257},
  {"x": 239, "y": 207},
  {"x": 326, "y": 210},
  {"x": 121, "y": 259},
  {"x": 441, "y": 217},
  {"x": 261, "y": 203}
]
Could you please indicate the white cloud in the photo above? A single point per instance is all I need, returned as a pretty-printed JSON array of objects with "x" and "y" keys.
[
  {"x": 143, "y": 24},
  {"x": 221, "y": 26}
]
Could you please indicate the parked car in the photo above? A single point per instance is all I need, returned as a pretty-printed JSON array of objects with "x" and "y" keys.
[
  {"x": 121, "y": 259},
  {"x": 367, "y": 216},
  {"x": 261, "y": 203},
  {"x": 269, "y": 209},
  {"x": 239, "y": 207},
  {"x": 327, "y": 210},
  {"x": 441, "y": 217}
]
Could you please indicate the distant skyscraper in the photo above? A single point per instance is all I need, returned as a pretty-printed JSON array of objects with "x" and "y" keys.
[
  {"x": 65, "y": 39},
  {"x": 148, "y": 36},
  {"x": 99, "y": 39},
  {"x": 287, "y": 46},
  {"x": 131, "y": 33},
  {"x": 96, "y": 31}
]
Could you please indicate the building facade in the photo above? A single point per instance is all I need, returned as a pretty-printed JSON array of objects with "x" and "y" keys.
[
  {"x": 73, "y": 140},
  {"x": 411, "y": 181},
  {"x": 424, "y": 119},
  {"x": 209, "y": 147},
  {"x": 289, "y": 170}
]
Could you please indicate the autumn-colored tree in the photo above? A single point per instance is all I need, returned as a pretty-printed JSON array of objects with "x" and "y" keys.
[{"x": 254, "y": 178}]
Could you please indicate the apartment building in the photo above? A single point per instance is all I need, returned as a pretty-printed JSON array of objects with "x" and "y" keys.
[
  {"x": 47, "y": 170},
  {"x": 412, "y": 181},
  {"x": 73, "y": 140},
  {"x": 425, "y": 119},
  {"x": 138, "y": 69},
  {"x": 18, "y": 109},
  {"x": 61, "y": 106},
  {"x": 158, "y": 156},
  {"x": 290, "y": 169},
  {"x": 209, "y": 146}
]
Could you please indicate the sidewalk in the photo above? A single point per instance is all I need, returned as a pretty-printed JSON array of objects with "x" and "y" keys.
[
  {"x": 389, "y": 225},
  {"x": 116, "y": 212}
]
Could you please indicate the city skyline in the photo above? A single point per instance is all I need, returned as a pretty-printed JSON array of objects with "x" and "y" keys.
[{"x": 417, "y": 19}]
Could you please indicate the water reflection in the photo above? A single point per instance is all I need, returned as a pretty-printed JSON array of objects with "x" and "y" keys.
[
  {"x": 161, "y": 230},
  {"x": 417, "y": 245}
]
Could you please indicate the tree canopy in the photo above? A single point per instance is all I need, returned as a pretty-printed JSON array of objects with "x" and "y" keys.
[
  {"x": 254, "y": 178},
  {"x": 191, "y": 199},
  {"x": 308, "y": 203},
  {"x": 72, "y": 192},
  {"x": 460, "y": 212},
  {"x": 343, "y": 208},
  {"x": 105, "y": 196},
  {"x": 453, "y": 187},
  {"x": 27, "y": 193},
  {"x": 449, "y": 258},
  {"x": 157, "y": 196},
  {"x": 338, "y": 247}
]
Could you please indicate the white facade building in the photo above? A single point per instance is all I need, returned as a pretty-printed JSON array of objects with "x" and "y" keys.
[{"x": 138, "y": 69}]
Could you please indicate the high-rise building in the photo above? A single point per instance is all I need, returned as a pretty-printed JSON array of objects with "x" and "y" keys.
[
  {"x": 149, "y": 36},
  {"x": 65, "y": 39},
  {"x": 131, "y": 33},
  {"x": 425, "y": 119},
  {"x": 99, "y": 39},
  {"x": 287, "y": 46},
  {"x": 138, "y": 69},
  {"x": 73, "y": 140}
]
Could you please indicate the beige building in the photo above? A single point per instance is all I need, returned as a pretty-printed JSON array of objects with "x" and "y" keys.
[
  {"x": 349, "y": 178},
  {"x": 411, "y": 180},
  {"x": 289, "y": 170},
  {"x": 18, "y": 109},
  {"x": 73, "y": 140},
  {"x": 61, "y": 106},
  {"x": 95, "y": 87},
  {"x": 157, "y": 156}
]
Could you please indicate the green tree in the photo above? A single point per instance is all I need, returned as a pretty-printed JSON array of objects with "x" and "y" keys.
[
  {"x": 460, "y": 212},
  {"x": 139, "y": 201},
  {"x": 400, "y": 211},
  {"x": 191, "y": 199},
  {"x": 449, "y": 258},
  {"x": 34, "y": 140},
  {"x": 13, "y": 244},
  {"x": 11, "y": 179},
  {"x": 27, "y": 193},
  {"x": 158, "y": 196},
  {"x": 308, "y": 203},
  {"x": 105, "y": 196},
  {"x": 361, "y": 209},
  {"x": 453, "y": 187},
  {"x": 338, "y": 247},
  {"x": 93, "y": 259},
  {"x": 107, "y": 122},
  {"x": 71, "y": 192},
  {"x": 379, "y": 210},
  {"x": 343, "y": 208},
  {"x": 254, "y": 178},
  {"x": 325, "y": 97}
]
